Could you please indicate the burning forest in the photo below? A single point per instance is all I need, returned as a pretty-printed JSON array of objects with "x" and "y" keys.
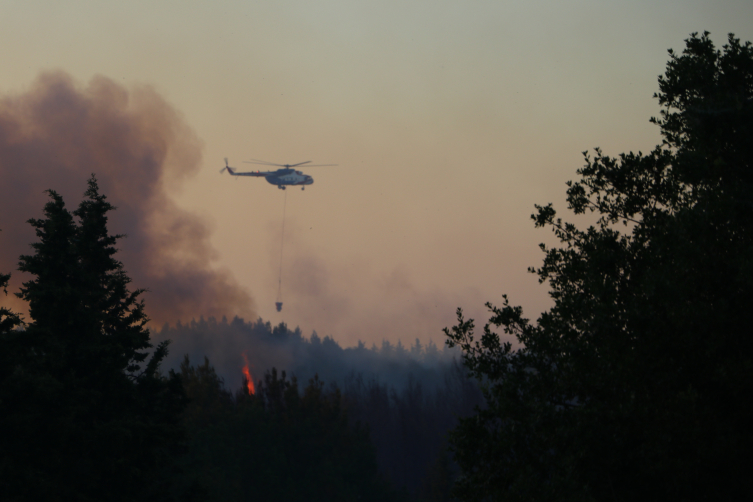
[
  {"x": 377, "y": 416},
  {"x": 356, "y": 435}
]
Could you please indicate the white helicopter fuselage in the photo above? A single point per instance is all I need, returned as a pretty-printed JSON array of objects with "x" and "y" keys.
[
  {"x": 281, "y": 178},
  {"x": 289, "y": 177}
]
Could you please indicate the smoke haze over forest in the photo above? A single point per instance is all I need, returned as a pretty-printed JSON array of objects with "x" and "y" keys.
[
  {"x": 58, "y": 132},
  {"x": 229, "y": 344},
  {"x": 447, "y": 124}
]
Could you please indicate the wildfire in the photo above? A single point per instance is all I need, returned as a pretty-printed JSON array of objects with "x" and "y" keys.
[{"x": 247, "y": 375}]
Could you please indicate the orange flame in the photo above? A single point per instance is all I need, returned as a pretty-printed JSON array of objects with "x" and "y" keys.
[{"x": 249, "y": 378}]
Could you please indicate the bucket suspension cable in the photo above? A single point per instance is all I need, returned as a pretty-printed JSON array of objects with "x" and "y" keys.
[{"x": 278, "y": 303}]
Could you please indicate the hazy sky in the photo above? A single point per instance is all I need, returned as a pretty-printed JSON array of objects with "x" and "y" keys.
[{"x": 448, "y": 121}]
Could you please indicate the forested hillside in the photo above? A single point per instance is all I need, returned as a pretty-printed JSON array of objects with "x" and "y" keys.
[
  {"x": 231, "y": 344},
  {"x": 408, "y": 397}
]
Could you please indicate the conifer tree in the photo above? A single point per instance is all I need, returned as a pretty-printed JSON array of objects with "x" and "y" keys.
[
  {"x": 93, "y": 417},
  {"x": 9, "y": 320}
]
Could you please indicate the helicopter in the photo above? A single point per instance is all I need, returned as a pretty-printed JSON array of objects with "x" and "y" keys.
[{"x": 282, "y": 178}]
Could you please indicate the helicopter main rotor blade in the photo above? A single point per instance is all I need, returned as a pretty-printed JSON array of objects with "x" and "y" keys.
[
  {"x": 286, "y": 166},
  {"x": 263, "y": 163}
]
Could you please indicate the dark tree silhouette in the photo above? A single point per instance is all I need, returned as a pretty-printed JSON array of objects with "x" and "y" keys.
[
  {"x": 85, "y": 413},
  {"x": 408, "y": 401},
  {"x": 638, "y": 382},
  {"x": 277, "y": 444}
]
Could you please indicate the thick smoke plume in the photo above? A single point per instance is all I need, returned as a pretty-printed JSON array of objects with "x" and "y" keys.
[{"x": 57, "y": 134}]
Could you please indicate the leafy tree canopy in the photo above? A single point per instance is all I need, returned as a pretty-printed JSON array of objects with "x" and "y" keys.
[{"x": 637, "y": 383}]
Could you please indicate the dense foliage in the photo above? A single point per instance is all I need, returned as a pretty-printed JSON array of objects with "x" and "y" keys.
[
  {"x": 638, "y": 382},
  {"x": 84, "y": 412},
  {"x": 409, "y": 427},
  {"x": 276, "y": 444},
  {"x": 229, "y": 343},
  {"x": 408, "y": 396}
]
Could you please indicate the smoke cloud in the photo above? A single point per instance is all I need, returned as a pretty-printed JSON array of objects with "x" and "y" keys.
[
  {"x": 56, "y": 134},
  {"x": 355, "y": 300}
]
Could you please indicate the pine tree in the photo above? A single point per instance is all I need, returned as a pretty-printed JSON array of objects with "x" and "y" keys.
[
  {"x": 11, "y": 355},
  {"x": 92, "y": 418},
  {"x": 9, "y": 320}
]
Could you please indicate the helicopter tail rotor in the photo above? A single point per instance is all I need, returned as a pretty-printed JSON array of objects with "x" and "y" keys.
[{"x": 226, "y": 168}]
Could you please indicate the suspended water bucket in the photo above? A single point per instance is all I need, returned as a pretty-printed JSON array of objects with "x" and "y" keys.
[{"x": 278, "y": 303}]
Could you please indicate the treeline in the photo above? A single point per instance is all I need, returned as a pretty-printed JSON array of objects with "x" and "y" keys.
[
  {"x": 409, "y": 426},
  {"x": 278, "y": 443},
  {"x": 407, "y": 397},
  {"x": 364, "y": 441},
  {"x": 230, "y": 344}
]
